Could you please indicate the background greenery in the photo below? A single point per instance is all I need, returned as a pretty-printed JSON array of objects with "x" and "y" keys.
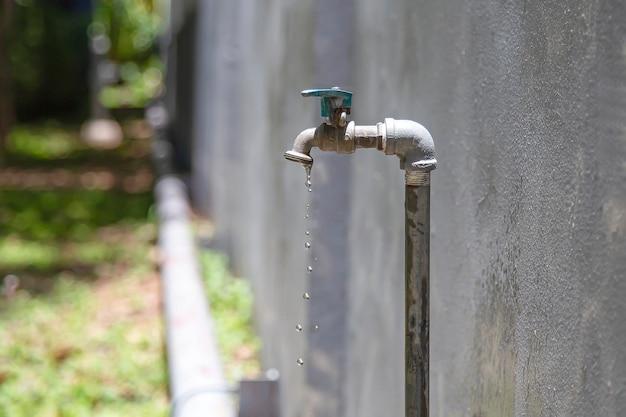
[
  {"x": 48, "y": 55},
  {"x": 80, "y": 319},
  {"x": 82, "y": 335}
]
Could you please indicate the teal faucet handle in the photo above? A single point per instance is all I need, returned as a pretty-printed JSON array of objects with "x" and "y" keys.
[{"x": 332, "y": 99}]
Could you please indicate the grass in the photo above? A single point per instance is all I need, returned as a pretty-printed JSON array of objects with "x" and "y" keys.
[
  {"x": 54, "y": 144},
  {"x": 81, "y": 335},
  {"x": 231, "y": 307},
  {"x": 78, "y": 347}
]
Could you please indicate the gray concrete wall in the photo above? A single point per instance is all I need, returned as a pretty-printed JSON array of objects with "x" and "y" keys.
[{"x": 527, "y": 104}]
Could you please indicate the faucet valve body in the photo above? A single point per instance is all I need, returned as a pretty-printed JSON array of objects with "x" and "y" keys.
[{"x": 408, "y": 140}]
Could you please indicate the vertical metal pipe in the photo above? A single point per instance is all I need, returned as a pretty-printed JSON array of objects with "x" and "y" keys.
[{"x": 417, "y": 279}]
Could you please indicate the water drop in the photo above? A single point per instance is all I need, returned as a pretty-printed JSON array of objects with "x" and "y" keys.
[
  {"x": 299, "y": 327},
  {"x": 308, "y": 183},
  {"x": 306, "y": 296},
  {"x": 306, "y": 216},
  {"x": 309, "y": 269},
  {"x": 316, "y": 327},
  {"x": 300, "y": 361},
  {"x": 307, "y": 233},
  {"x": 310, "y": 189},
  {"x": 307, "y": 244}
]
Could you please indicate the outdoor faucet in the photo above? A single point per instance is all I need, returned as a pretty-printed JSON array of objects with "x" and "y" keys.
[
  {"x": 408, "y": 140},
  {"x": 413, "y": 144}
]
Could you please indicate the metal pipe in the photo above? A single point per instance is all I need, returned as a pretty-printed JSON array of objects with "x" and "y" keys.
[
  {"x": 197, "y": 384},
  {"x": 417, "y": 284}
]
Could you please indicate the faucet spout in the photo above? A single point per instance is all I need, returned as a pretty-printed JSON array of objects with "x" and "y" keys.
[{"x": 302, "y": 145}]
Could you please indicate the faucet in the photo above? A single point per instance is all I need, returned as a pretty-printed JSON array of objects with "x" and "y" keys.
[
  {"x": 413, "y": 145},
  {"x": 408, "y": 140}
]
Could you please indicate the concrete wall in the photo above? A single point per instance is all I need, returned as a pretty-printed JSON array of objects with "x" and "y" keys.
[{"x": 527, "y": 104}]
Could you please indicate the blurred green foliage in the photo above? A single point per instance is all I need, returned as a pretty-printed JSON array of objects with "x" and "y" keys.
[
  {"x": 67, "y": 214},
  {"x": 57, "y": 358},
  {"x": 64, "y": 354},
  {"x": 139, "y": 84},
  {"x": 49, "y": 143},
  {"x": 81, "y": 336},
  {"x": 50, "y": 62},
  {"x": 231, "y": 304},
  {"x": 132, "y": 27}
]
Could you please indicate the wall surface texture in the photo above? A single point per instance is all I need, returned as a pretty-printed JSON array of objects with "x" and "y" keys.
[{"x": 526, "y": 101}]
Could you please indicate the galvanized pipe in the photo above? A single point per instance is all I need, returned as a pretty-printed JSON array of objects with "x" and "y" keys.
[
  {"x": 197, "y": 384},
  {"x": 417, "y": 284}
]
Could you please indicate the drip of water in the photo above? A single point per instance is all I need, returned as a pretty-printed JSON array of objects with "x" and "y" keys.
[
  {"x": 316, "y": 327},
  {"x": 307, "y": 168},
  {"x": 307, "y": 245}
]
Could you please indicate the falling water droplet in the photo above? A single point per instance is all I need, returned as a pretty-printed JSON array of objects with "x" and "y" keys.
[
  {"x": 316, "y": 327},
  {"x": 308, "y": 182},
  {"x": 306, "y": 296},
  {"x": 306, "y": 216},
  {"x": 299, "y": 327},
  {"x": 309, "y": 269},
  {"x": 307, "y": 244},
  {"x": 300, "y": 361},
  {"x": 307, "y": 233},
  {"x": 310, "y": 189}
]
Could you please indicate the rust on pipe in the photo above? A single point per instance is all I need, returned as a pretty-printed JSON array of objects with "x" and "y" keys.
[{"x": 417, "y": 281}]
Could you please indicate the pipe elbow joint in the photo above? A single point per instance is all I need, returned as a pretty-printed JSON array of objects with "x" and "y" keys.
[{"x": 411, "y": 142}]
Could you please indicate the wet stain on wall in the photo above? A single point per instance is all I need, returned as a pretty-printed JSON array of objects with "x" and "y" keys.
[{"x": 492, "y": 384}]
